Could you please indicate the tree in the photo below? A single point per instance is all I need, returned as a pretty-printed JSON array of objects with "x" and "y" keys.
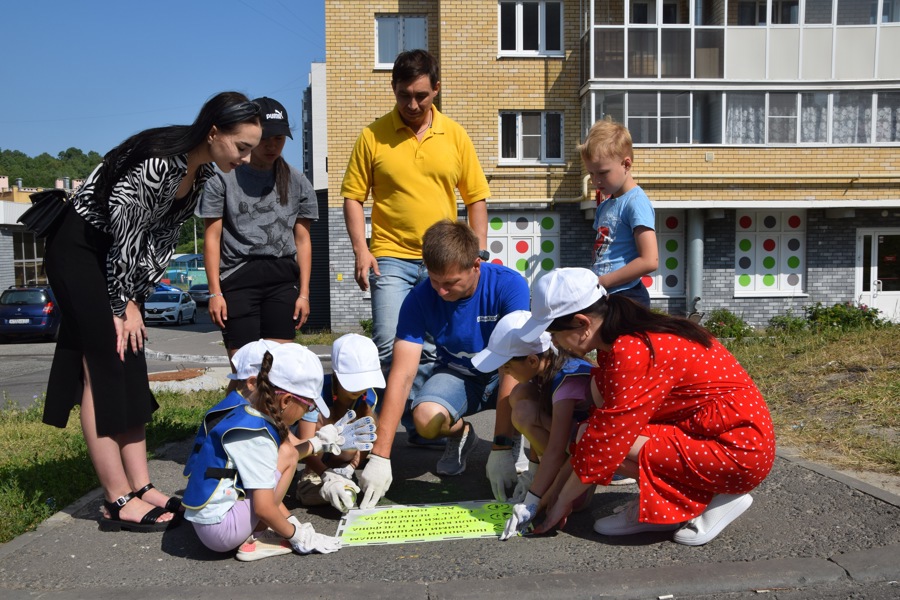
[{"x": 43, "y": 170}]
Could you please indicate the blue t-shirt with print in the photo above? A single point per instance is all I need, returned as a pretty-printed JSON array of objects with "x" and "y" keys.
[
  {"x": 462, "y": 328},
  {"x": 614, "y": 225}
]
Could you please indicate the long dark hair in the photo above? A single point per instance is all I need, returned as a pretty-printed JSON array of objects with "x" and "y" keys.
[
  {"x": 556, "y": 360},
  {"x": 266, "y": 402},
  {"x": 225, "y": 110},
  {"x": 623, "y": 316},
  {"x": 282, "y": 179}
]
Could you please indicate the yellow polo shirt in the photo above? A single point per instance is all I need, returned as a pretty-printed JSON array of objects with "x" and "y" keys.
[{"x": 413, "y": 183}]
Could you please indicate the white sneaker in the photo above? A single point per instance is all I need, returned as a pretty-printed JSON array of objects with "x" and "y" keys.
[
  {"x": 457, "y": 451},
  {"x": 722, "y": 510},
  {"x": 263, "y": 545},
  {"x": 626, "y": 522},
  {"x": 622, "y": 480}
]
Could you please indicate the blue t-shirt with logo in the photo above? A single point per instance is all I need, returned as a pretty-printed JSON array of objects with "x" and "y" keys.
[
  {"x": 614, "y": 225},
  {"x": 462, "y": 328}
]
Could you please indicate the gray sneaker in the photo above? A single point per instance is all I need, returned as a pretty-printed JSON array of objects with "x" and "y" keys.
[{"x": 457, "y": 451}]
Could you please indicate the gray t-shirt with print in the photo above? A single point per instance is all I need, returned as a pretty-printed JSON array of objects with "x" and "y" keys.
[{"x": 254, "y": 223}]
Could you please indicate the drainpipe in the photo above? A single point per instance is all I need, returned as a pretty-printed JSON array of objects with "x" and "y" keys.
[{"x": 694, "y": 258}]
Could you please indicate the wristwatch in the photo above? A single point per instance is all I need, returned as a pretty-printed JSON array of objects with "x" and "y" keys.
[{"x": 484, "y": 254}]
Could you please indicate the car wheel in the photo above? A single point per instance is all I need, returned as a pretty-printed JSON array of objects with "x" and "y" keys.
[{"x": 178, "y": 320}]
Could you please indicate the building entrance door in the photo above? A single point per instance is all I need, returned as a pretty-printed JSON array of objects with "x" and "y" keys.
[{"x": 878, "y": 270}]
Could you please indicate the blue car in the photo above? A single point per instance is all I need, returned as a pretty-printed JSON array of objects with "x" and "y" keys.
[{"x": 28, "y": 312}]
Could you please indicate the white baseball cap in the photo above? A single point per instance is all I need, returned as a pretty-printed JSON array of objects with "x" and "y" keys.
[
  {"x": 559, "y": 293},
  {"x": 297, "y": 370},
  {"x": 506, "y": 342},
  {"x": 354, "y": 360},
  {"x": 248, "y": 359}
]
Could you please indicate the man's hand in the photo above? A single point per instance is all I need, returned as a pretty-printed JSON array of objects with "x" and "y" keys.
[
  {"x": 501, "y": 471},
  {"x": 375, "y": 480},
  {"x": 365, "y": 262}
]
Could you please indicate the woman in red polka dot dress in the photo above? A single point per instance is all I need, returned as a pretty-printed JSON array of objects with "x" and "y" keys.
[{"x": 674, "y": 409}]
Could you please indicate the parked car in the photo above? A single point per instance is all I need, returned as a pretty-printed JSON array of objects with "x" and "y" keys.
[
  {"x": 200, "y": 293},
  {"x": 28, "y": 312},
  {"x": 170, "y": 307},
  {"x": 166, "y": 287}
]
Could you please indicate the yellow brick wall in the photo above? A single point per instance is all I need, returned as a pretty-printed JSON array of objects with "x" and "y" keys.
[
  {"x": 822, "y": 173},
  {"x": 475, "y": 86}
]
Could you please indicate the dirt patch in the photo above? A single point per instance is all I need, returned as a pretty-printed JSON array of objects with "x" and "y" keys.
[{"x": 180, "y": 375}]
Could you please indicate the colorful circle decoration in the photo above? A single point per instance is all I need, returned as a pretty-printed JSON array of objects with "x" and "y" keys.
[
  {"x": 496, "y": 223},
  {"x": 522, "y": 246},
  {"x": 548, "y": 223},
  {"x": 669, "y": 278},
  {"x": 526, "y": 241},
  {"x": 772, "y": 261}
]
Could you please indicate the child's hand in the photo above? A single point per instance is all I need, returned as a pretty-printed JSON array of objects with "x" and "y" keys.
[
  {"x": 522, "y": 515},
  {"x": 355, "y": 435},
  {"x": 306, "y": 540},
  {"x": 338, "y": 490},
  {"x": 327, "y": 439}
]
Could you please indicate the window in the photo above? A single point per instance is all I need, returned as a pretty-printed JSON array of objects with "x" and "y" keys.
[
  {"x": 745, "y": 118},
  {"x": 857, "y": 12},
  {"x": 531, "y": 137},
  {"x": 663, "y": 117},
  {"x": 814, "y": 118},
  {"x": 530, "y": 28},
  {"x": 770, "y": 253},
  {"x": 751, "y": 12},
  {"x": 782, "y": 118},
  {"x": 397, "y": 33},
  {"x": 28, "y": 259},
  {"x": 785, "y": 12},
  {"x": 887, "y": 123},
  {"x": 851, "y": 118},
  {"x": 890, "y": 11},
  {"x": 818, "y": 12}
]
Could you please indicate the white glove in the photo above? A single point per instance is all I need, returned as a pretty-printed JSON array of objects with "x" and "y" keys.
[
  {"x": 338, "y": 490},
  {"x": 306, "y": 540},
  {"x": 327, "y": 439},
  {"x": 355, "y": 435},
  {"x": 522, "y": 515},
  {"x": 501, "y": 471},
  {"x": 375, "y": 480},
  {"x": 524, "y": 483}
]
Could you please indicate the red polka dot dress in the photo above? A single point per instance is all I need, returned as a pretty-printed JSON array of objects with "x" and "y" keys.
[{"x": 708, "y": 426}]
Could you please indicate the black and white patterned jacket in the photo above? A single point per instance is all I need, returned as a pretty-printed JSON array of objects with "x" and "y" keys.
[{"x": 144, "y": 221}]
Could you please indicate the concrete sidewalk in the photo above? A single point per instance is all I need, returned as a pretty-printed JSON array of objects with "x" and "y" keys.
[{"x": 811, "y": 532}]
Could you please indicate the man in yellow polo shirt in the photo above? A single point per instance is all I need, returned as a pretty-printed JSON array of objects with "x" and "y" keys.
[{"x": 412, "y": 160}]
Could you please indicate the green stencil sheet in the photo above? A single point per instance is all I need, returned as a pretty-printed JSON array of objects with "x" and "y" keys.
[{"x": 411, "y": 523}]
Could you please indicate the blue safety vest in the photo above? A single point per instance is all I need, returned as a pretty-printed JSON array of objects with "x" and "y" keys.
[
  {"x": 210, "y": 420},
  {"x": 210, "y": 466}
]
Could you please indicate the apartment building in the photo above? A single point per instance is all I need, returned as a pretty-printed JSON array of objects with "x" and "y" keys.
[{"x": 766, "y": 134}]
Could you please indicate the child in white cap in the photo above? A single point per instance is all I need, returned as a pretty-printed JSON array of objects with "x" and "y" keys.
[
  {"x": 552, "y": 397},
  {"x": 350, "y": 390},
  {"x": 674, "y": 407},
  {"x": 239, "y": 474},
  {"x": 246, "y": 363}
]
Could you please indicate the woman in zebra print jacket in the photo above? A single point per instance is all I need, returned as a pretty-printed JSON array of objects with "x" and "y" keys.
[{"x": 105, "y": 257}]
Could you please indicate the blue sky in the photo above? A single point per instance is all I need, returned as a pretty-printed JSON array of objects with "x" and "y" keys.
[{"x": 88, "y": 74}]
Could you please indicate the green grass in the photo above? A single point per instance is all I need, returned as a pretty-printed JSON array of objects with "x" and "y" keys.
[
  {"x": 43, "y": 468},
  {"x": 833, "y": 395}
]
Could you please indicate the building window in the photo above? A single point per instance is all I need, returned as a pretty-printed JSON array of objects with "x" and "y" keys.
[
  {"x": 887, "y": 127},
  {"x": 531, "y": 137},
  {"x": 852, "y": 118},
  {"x": 785, "y": 12},
  {"x": 530, "y": 28},
  {"x": 770, "y": 253},
  {"x": 28, "y": 259},
  {"x": 397, "y": 33},
  {"x": 818, "y": 12}
]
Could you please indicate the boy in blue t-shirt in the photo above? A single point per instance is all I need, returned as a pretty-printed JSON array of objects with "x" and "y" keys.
[
  {"x": 625, "y": 247},
  {"x": 458, "y": 307}
]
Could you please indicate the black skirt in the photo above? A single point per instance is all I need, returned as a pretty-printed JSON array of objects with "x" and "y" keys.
[{"x": 75, "y": 259}]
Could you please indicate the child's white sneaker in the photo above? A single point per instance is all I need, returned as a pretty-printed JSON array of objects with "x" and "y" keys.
[
  {"x": 625, "y": 522},
  {"x": 721, "y": 511}
]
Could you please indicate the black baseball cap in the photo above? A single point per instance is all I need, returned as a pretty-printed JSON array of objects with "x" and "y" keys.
[{"x": 274, "y": 118}]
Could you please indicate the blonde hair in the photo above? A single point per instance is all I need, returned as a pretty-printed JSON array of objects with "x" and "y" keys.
[{"x": 607, "y": 139}]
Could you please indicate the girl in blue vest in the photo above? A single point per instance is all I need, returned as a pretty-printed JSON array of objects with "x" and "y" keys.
[
  {"x": 551, "y": 399},
  {"x": 241, "y": 468}
]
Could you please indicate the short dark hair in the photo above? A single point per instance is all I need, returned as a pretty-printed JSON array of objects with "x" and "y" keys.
[
  {"x": 449, "y": 245},
  {"x": 412, "y": 64}
]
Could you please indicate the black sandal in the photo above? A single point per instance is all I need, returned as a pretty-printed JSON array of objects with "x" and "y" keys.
[
  {"x": 173, "y": 504},
  {"x": 147, "y": 524}
]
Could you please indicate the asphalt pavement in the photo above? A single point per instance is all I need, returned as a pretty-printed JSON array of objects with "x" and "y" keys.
[{"x": 810, "y": 533}]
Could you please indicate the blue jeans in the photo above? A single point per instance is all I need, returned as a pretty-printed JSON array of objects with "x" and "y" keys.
[
  {"x": 461, "y": 395},
  {"x": 398, "y": 277}
]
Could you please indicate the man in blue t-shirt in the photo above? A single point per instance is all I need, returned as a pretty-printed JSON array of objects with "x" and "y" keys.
[{"x": 458, "y": 307}]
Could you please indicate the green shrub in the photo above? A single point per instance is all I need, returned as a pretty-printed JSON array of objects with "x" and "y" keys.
[
  {"x": 723, "y": 323},
  {"x": 788, "y": 323},
  {"x": 366, "y": 325},
  {"x": 843, "y": 317}
]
